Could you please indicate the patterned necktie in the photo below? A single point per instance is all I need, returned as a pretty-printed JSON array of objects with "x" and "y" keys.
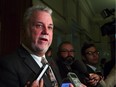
[{"x": 50, "y": 73}]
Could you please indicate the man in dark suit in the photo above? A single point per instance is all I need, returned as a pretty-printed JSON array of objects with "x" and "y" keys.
[
  {"x": 21, "y": 67},
  {"x": 67, "y": 62},
  {"x": 91, "y": 59}
]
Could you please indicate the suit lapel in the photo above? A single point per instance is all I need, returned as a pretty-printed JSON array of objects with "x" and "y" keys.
[
  {"x": 90, "y": 70},
  {"x": 31, "y": 63},
  {"x": 28, "y": 60}
]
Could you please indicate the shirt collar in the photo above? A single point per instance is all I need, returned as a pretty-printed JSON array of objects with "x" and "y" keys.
[
  {"x": 93, "y": 68},
  {"x": 35, "y": 57}
]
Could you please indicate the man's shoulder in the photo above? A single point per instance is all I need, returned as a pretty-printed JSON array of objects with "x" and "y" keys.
[
  {"x": 9, "y": 59},
  {"x": 14, "y": 56}
]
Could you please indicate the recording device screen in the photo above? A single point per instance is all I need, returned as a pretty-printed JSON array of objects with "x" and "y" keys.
[{"x": 65, "y": 85}]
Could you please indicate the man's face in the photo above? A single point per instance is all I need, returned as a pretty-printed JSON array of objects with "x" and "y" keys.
[
  {"x": 92, "y": 56},
  {"x": 66, "y": 51},
  {"x": 40, "y": 32}
]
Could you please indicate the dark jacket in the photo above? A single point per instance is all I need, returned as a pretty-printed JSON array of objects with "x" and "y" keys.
[
  {"x": 64, "y": 70},
  {"x": 90, "y": 70},
  {"x": 19, "y": 68}
]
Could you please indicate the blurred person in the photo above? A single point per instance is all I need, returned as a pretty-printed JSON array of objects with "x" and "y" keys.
[
  {"x": 108, "y": 66},
  {"x": 65, "y": 61},
  {"x": 51, "y": 60},
  {"x": 20, "y": 67},
  {"x": 49, "y": 56},
  {"x": 65, "y": 57},
  {"x": 102, "y": 63},
  {"x": 91, "y": 60},
  {"x": 111, "y": 78},
  {"x": 49, "y": 52}
]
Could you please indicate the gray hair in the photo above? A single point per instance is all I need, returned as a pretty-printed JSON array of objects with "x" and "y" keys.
[{"x": 30, "y": 11}]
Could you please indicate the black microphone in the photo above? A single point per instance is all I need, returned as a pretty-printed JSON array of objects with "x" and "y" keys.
[{"x": 80, "y": 67}]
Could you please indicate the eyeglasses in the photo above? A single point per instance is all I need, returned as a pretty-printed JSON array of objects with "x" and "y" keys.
[
  {"x": 67, "y": 51},
  {"x": 92, "y": 53}
]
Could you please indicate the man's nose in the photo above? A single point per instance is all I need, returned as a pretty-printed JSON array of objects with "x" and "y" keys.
[
  {"x": 45, "y": 31},
  {"x": 69, "y": 53}
]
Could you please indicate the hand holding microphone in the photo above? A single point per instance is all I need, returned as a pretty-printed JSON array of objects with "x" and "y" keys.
[
  {"x": 94, "y": 79},
  {"x": 37, "y": 81}
]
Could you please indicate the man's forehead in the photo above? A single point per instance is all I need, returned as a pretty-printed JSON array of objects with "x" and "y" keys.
[{"x": 91, "y": 49}]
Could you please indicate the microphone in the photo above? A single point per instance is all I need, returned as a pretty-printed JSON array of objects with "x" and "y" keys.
[
  {"x": 80, "y": 67},
  {"x": 39, "y": 75},
  {"x": 71, "y": 78},
  {"x": 74, "y": 79}
]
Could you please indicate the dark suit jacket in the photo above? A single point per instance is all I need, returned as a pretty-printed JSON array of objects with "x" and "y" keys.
[
  {"x": 19, "y": 68},
  {"x": 90, "y": 70}
]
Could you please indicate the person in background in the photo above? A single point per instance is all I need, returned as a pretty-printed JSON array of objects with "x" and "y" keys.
[
  {"x": 102, "y": 63},
  {"x": 109, "y": 72},
  {"x": 108, "y": 66},
  {"x": 65, "y": 61},
  {"x": 49, "y": 52},
  {"x": 111, "y": 78},
  {"x": 91, "y": 59},
  {"x": 65, "y": 58},
  {"x": 52, "y": 61},
  {"x": 49, "y": 56},
  {"x": 20, "y": 68}
]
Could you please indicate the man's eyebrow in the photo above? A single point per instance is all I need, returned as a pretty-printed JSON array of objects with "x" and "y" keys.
[
  {"x": 43, "y": 23},
  {"x": 39, "y": 22}
]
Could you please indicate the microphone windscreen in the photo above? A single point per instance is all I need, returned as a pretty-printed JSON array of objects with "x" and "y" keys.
[{"x": 80, "y": 67}]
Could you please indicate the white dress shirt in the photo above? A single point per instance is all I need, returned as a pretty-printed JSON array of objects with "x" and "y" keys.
[{"x": 35, "y": 57}]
